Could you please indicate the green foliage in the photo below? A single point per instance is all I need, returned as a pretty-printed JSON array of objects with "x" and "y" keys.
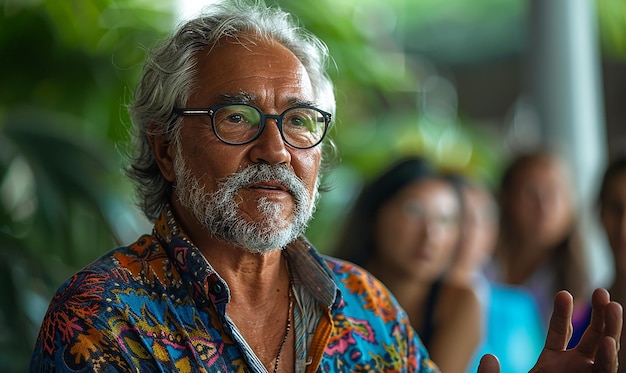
[
  {"x": 612, "y": 28},
  {"x": 66, "y": 72}
]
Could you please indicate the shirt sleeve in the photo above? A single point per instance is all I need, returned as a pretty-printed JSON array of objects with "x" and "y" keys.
[{"x": 76, "y": 335}]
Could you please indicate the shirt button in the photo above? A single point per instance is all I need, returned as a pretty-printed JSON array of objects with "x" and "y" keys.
[{"x": 216, "y": 288}]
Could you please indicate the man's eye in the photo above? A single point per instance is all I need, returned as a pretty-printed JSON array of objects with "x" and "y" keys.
[
  {"x": 237, "y": 114},
  {"x": 242, "y": 118},
  {"x": 235, "y": 118},
  {"x": 297, "y": 121}
]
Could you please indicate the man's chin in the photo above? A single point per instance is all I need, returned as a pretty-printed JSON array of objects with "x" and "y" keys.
[
  {"x": 265, "y": 247},
  {"x": 260, "y": 239},
  {"x": 262, "y": 251}
]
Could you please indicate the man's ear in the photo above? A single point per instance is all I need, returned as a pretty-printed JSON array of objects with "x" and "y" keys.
[{"x": 163, "y": 150}]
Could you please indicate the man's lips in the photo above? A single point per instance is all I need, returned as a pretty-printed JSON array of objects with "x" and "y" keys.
[{"x": 269, "y": 186}]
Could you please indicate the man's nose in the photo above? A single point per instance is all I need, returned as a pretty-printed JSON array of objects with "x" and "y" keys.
[{"x": 270, "y": 147}]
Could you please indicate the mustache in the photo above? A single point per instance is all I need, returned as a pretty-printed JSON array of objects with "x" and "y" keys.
[{"x": 261, "y": 172}]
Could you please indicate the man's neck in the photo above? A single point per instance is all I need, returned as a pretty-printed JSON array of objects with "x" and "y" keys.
[{"x": 248, "y": 275}]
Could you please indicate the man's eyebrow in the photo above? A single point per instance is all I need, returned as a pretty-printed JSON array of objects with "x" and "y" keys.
[
  {"x": 298, "y": 102},
  {"x": 239, "y": 98}
]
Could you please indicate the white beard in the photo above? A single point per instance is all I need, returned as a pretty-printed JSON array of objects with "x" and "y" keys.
[{"x": 219, "y": 212}]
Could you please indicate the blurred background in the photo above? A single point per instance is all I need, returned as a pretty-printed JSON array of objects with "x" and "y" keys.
[{"x": 466, "y": 84}]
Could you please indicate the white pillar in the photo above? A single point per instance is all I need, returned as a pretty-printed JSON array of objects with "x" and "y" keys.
[{"x": 565, "y": 89}]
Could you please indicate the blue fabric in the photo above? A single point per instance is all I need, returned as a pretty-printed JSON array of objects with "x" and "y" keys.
[{"x": 514, "y": 329}]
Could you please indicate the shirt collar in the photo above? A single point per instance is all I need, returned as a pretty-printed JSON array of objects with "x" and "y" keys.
[{"x": 309, "y": 269}]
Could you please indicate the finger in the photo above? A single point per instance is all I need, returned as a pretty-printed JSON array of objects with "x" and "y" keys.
[
  {"x": 606, "y": 357},
  {"x": 560, "y": 329},
  {"x": 595, "y": 331},
  {"x": 489, "y": 364},
  {"x": 613, "y": 321}
]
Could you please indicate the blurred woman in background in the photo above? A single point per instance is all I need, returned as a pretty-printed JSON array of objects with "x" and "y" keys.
[
  {"x": 539, "y": 245},
  {"x": 479, "y": 231},
  {"x": 404, "y": 228}
]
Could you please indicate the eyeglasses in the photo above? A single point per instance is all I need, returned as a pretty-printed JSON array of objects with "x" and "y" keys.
[{"x": 301, "y": 127}]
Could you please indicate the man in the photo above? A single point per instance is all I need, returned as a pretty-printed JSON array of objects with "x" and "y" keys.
[{"x": 230, "y": 114}]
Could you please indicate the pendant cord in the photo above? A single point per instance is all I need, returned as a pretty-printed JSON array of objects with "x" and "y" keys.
[{"x": 288, "y": 326}]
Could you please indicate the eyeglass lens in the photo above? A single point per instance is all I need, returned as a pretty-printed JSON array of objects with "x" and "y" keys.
[{"x": 301, "y": 127}]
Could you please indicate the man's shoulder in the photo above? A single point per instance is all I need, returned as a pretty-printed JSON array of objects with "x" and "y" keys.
[
  {"x": 144, "y": 250},
  {"x": 124, "y": 265}
]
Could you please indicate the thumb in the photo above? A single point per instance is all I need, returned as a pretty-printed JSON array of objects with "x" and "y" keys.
[{"x": 489, "y": 364}]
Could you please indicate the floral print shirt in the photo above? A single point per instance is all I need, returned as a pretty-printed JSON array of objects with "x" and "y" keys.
[{"x": 159, "y": 306}]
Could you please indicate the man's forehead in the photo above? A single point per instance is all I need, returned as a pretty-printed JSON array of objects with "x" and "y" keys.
[
  {"x": 251, "y": 98},
  {"x": 245, "y": 44},
  {"x": 232, "y": 72}
]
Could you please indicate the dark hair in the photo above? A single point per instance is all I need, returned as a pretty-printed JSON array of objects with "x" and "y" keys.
[
  {"x": 357, "y": 241},
  {"x": 614, "y": 169}
]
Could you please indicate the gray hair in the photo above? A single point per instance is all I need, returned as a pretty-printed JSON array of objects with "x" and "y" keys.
[{"x": 168, "y": 76}]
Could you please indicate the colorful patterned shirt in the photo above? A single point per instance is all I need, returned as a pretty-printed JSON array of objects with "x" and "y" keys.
[{"x": 159, "y": 306}]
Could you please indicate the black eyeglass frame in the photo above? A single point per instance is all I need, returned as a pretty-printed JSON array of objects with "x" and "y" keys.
[{"x": 210, "y": 112}]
